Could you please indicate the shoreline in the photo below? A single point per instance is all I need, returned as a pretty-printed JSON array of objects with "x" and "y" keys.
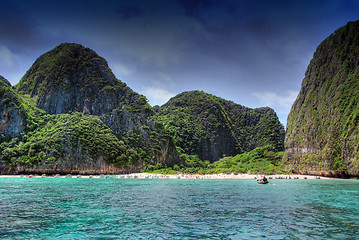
[{"x": 175, "y": 176}]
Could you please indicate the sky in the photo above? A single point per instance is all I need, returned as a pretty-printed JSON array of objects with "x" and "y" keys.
[{"x": 252, "y": 52}]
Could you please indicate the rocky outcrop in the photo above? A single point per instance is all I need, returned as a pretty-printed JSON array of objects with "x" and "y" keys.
[
  {"x": 74, "y": 115},
  {"x": 73, "y": 160},
  {"x": 322, "y": 130},
  {"x": 211, "y": 127},
  {"x": 72, "y": 78},
  {"x": 69, "y": 143},
  {"x": 11, "y": 119},
  {"x": 70, "y": 114}
]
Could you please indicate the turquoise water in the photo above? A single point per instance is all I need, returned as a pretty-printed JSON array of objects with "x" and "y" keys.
[{"x": 62, "y": 208}]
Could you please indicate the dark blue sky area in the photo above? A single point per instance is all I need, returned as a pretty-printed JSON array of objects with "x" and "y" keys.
[{"x": 253, "y": 52}]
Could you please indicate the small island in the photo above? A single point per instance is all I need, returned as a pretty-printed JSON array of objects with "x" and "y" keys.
[{"x": 69, "y": 114}]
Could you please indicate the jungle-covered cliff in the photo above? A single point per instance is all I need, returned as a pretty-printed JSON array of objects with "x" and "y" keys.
[
  {"x": 211, "y": 127},
  {"x": 322, "y": 131},
  {"x": 11, "y": 114},
  {"x": 69, "y": 113}
]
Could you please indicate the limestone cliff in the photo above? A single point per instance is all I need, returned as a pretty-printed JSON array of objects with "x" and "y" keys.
[
  {"x": 322, "y": 130},
  {"x": 76, "y": 116},
  {"x": 211, "y": 127},
  {"x": 11, "y": 118},
  {"x": 72, "y": 78},
  {"x": 69, "y": 143}
]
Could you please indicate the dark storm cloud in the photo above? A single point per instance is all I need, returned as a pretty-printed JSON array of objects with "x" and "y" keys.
[
  {"x": 264, "y": 38},
  {"x": 193, "y": 7},
  {"x": 126, "y": 11},
  {"x": 17, "y": 29},
  {"x": 254, "y": 52}
]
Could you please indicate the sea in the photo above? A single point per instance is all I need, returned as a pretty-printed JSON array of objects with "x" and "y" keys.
[{"x": 115, "y": 208}]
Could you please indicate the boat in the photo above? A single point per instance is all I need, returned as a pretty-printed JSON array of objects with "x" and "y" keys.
[{"x": 263, "y": 180}]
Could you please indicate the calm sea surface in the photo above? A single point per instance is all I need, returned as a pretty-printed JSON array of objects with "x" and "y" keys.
[{"x": 63, "y": 208}]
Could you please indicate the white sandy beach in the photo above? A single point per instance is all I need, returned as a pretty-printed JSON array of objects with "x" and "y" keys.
[{"x": 179, "y": 176}]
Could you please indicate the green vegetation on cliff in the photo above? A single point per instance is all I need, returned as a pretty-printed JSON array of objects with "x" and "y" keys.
[
  {"x": 44, "y": 138},
  {"x": 211, "y": 127},
  {"x": 8, "y": 96},
  {"x": 67, "y": 77},
  {"x": 70, "y": 112},
  {"x": 58, "y": 67},
  {"x": 261, "y": 160},
  {"x": 96, "y": 116},
  {"x": 322, "y": 131},
  {"x": 19, "y": 113},
  {"x": 86, "y": 136}
]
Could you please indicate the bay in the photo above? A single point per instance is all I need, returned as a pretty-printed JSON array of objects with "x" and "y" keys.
[{"x": 99, "y": 208}]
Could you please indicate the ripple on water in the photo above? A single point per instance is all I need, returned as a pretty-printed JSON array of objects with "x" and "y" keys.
[{"x": 177, "y": 209}]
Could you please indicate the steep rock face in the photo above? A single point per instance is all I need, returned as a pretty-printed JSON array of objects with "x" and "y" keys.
[
  {"x": 72, "y": 78},
  {"x": 11, "y": 118},
  {"x": 73, "y": 160},
  {"x": 211, "y": 127},
  {"x": 69, "y": 143},
  {"x": 322, "y": 130}
]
